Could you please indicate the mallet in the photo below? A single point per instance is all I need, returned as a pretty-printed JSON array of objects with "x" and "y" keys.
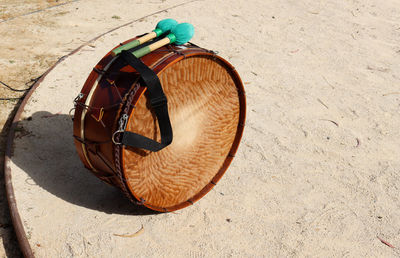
[
  {"x": 179, "y": 35},
  {"x": 163, "y": 26}
]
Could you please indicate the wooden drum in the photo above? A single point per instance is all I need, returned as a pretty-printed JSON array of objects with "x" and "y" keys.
[{"x": 206, "y": 106}]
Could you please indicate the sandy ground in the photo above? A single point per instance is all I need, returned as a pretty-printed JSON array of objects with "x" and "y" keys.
[{"x": 317, "y": 171}]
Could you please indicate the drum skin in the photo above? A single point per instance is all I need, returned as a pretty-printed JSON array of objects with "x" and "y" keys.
[{"x": 206, "y": 105}]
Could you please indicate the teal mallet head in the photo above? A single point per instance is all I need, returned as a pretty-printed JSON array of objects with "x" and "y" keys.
[
  {"x": 165, "y": 25},
  {"x": 181, "y": 33}
]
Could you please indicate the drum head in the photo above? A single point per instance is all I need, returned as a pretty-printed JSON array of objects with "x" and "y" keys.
[{"x": 206, "y": 107}]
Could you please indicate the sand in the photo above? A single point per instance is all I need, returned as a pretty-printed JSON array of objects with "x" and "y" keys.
[{"x": 316, "y": 173}]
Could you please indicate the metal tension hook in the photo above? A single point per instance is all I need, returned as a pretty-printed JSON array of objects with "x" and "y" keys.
[{"x": 122, "y": 125}]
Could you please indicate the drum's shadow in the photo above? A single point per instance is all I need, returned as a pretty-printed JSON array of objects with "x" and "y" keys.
[{"x": 44, "y": 149}]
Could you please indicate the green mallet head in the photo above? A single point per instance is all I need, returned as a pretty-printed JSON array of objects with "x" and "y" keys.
[
  {"x": 165, "y": 26},
  {"x": 181, "y": 33}
]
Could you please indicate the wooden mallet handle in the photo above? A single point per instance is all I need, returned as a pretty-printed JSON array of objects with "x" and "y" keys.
[
  {"x": 179, "y": 35},
  {"x": 163, "y": 26}
]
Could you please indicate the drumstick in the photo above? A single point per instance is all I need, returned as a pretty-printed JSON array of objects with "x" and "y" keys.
[
  {"x": 179, "y": 35},
  {"x": 163, "y": 26}
]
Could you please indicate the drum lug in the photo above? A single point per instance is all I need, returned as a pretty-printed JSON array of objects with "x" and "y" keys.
[
  {"x": 79, "y": 97},
  {"x": 177, "y": 52},
  {"x": 214, "y": 54},
  {"x": 141, "y": 202},
  {"x": 99, "y": 71}
]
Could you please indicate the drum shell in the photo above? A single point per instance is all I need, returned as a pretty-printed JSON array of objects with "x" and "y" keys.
[{"x": 100, "y": 158}]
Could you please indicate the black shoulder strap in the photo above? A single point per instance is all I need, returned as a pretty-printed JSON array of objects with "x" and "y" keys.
[{"x": 158, "y": 102}]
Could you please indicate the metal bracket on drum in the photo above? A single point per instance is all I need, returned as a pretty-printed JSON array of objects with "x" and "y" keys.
[
  {"x": 122, "y": 125},
  {"x": 77, "y": 98},
  {"x": 207, "y": 50},
  {"x": 75, "y": 101},
  {"x": 170, "y": 48},
  {"x": 70, "y": 111},
  {"x": 213, "y": 52},
  {"x": 99, "y": 71}
]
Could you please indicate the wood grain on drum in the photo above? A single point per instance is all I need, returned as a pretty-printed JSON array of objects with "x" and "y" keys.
[{"x": 204, "y": 110}]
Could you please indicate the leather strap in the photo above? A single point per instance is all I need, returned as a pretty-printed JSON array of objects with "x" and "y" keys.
[{"x": 158, "y": 102}]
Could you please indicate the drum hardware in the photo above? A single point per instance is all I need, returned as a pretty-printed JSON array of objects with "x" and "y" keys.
[
  {"x": 79, "y": 97},
  {"x": 70, "y": 113},
  {"x": 102, "y": 72},
  {"x": 121, "y": 129}
]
